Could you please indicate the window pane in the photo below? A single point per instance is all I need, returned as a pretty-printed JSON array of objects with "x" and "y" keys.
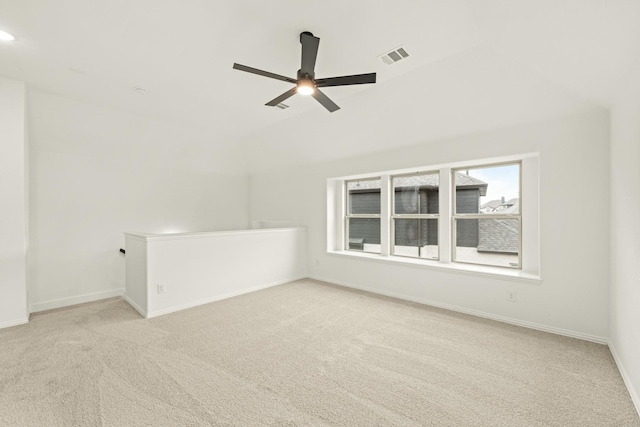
[
  {"x": 494, "y": 189},
  {"x": 488, "y": 241},
  {"x": 416, "y": 194},
  {"x": 416, "y": 238},
  {"x": 364, "y": 197},
  {"x": 364, "y": 234}
]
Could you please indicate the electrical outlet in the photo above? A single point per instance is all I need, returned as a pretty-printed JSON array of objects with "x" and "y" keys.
[
  {"x": 511, "y": 296},
  {"x": 161, "y": 288}
]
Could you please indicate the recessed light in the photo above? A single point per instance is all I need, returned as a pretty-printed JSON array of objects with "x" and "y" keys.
[{"x": 6, "y": 36}]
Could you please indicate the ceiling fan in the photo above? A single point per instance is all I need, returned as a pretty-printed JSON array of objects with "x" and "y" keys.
[{"x": 306, "y": 83}]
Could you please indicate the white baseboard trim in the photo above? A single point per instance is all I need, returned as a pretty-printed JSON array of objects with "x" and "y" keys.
[
  {"x": 135, "y": 306},
  {"x": 80, "y": 299},
  {"x": 635, "y": 397},
  {"x": 219, "y": 297},
  {"x": 14, "y": 323},
  {"x": 517, "y": 322}
]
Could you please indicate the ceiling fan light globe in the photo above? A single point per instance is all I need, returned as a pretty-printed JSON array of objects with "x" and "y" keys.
[{"x": 305, "y": 88}]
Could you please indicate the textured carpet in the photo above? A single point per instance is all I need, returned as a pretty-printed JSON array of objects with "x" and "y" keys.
[{"x": 301, "y": 354}]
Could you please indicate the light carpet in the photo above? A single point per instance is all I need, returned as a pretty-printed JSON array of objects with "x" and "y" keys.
[{"x": 301, "y": 354}]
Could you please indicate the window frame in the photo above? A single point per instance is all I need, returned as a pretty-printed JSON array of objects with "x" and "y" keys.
[
  {"x": 531, "y": 268},
  {"x": 349, "y": 216},
  {"x": 456, "y": 216},
  {"x": 393, "y": 215}
]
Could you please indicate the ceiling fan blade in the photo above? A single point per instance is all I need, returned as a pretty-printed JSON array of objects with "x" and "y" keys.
[
  {"x": 309, "y": 53},
  {"x": 356, "y": 79},
  {"x": 263, "y": 73},
  {"x": 325, "y": 101},
  {"x": 279, "y": 99}
]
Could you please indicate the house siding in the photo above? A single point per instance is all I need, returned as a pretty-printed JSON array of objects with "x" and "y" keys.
[
  {"x": 364, "y": 202},
  {"x": 467, "y": 201},
  {"x": 412, "y": 232},
  {"x": 365, "y": 228}
]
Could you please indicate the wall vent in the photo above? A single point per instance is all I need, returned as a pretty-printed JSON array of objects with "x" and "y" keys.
[{"x": 397, "y": 54}]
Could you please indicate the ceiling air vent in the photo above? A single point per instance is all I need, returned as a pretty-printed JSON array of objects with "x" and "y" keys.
[
  {"x": 281, "y": 106},
  {"x": 394, "y": 56}
]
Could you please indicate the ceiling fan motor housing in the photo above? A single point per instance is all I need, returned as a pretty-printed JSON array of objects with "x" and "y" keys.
[{"x": 305, "y": 76}]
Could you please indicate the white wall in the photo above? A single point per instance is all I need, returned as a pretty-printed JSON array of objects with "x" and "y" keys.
[
  {"x": 13, "y": 204},
  {"x": 96, "y": 173},
  {"x": 574, "y": 187},
  {"x": 199, "y": 268},
  {"x": 625, "y": 239}
]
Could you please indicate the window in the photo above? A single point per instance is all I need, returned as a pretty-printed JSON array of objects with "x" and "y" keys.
[
  {"x": 486, "y": 217},
  {"x": 415, "y": 215},
  {"x": 479, "y": 217},
  {"x": 362, "y": 220}
]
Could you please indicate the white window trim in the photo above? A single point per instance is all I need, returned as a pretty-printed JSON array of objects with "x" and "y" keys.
[{"x": 530, "y": 271}]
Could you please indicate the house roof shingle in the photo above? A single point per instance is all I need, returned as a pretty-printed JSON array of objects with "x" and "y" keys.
[
  {"x": 491, "y": 204},
  {"x": 426, "y": 180}
]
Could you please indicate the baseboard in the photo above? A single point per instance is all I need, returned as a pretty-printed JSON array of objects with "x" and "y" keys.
[
  {"x": 80, "y": 299},
  {"x": 635, "y": 397},
  {"x": 219, "y": 297},
  {"x": 135, "y": 306},
  {"x": 517, "y": 322},
  {"x": 14, "y": 323}
]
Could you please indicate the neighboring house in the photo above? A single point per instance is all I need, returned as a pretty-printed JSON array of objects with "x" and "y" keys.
[
  {"x": 507, "y": 204},
  {"x": 468, "y": 193},
  {"x": 414, "y": 195},
  {"x": 497, "y": 205},
  {"x": 419, "y": 194},
  {"x": 491, "y": 206},
  {"x": 500, "y": 235}
]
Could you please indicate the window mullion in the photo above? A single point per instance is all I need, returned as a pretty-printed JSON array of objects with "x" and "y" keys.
[
  {"x": 385, "y": 214},
  {"x": 444, "y": 225}
]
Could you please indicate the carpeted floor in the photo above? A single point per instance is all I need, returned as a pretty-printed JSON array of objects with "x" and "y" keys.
[{"x": 301, "y": 354}]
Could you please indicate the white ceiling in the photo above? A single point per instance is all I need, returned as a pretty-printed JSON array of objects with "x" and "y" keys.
[{"x": 474, "y": 65}]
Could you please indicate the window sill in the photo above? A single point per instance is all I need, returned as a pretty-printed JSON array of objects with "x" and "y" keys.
[{"x": 457, "y": 268}]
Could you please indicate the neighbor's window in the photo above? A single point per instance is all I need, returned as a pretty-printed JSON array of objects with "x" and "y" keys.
[
  {"x": 487, "y": 221},
  {"x": 414, "y": 220},
  {"x": 362, "y": 221}
]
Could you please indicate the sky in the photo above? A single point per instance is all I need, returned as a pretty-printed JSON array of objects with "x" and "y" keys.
[{"x": 502, "y": 180}]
